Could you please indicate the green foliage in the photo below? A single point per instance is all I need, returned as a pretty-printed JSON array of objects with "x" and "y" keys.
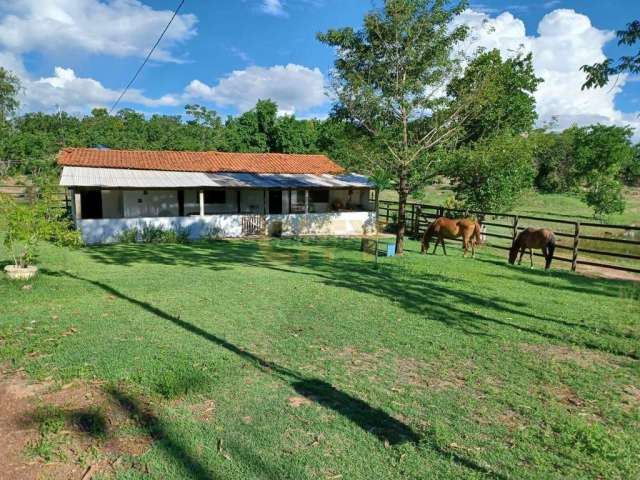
[
  {"x": 129, "y": 235},
  {"x": 49, "y": 418},
  {"x": 594, "y": 160},
  {"x": 602, "y": 150},
  {"x": 27, "y": 224},
  {"x": 9, "y": 89},
  {"x": 513, "y": 106},
  {"x": 604, "y": 195},
  {"x": 29, "y": 143},
  {"x": 631, "y": 169},
  {"x": 554, "y": 156},
  {"x": 598, "y": 74},
  {"x": 390, "y": 78},
  {"x": 151, "y": 234},
  {"x": 600, "y": 154},
  {"x": 491, "y": 174}
]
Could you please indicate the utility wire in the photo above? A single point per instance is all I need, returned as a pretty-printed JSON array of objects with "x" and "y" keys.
[{"x": 133, "y": 79}]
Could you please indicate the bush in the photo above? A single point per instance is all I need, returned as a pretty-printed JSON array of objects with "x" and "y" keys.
[
  {"x": 151, "y": 234},
  {"x": 26, "y": 225},
  {"x": 128, "y": 236},
  {"x": 491, "y": 174},
  {"x": 605, "y": 197},
  {"x": 213, "y": 233}
]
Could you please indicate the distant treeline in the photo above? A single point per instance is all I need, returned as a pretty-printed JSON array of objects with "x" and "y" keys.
[
  {"x": 594, "y": 161},
  {"x": 28, "y": 143}
]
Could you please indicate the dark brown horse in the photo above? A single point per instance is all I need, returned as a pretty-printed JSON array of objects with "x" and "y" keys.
[
  {"x": 531, "y": 238},
  {"x": 444, "y": 227}
]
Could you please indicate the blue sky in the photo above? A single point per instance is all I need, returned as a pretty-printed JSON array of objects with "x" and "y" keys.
[{"x": 78, "y": 54}]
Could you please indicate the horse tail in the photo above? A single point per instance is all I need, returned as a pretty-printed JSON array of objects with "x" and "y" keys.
[{"x": 551, "y": 248}]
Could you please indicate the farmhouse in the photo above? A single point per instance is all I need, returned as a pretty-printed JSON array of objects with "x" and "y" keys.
[{"x": 213, "y": 193}]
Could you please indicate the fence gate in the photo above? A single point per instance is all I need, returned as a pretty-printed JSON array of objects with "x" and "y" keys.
[{"x": 253, "y": 225}]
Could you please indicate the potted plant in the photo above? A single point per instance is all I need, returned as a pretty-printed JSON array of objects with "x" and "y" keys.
[{"x": 25, "y": 225}]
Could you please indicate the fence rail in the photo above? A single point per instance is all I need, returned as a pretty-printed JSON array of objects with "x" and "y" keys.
[
  {"x": 30, "y": 193},
  {"x": 572, "y": 234}
]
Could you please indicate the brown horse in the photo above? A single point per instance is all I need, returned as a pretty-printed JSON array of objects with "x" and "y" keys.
[
  {"x": 530, "y": 238},
  {"x": 444, "y": 227}
]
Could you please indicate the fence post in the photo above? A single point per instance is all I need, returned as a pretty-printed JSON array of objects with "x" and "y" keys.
[
  {"x": 416, "y": 221},
  {"x": 515, "y": 228},
  {"x": 576, "y": 240}
]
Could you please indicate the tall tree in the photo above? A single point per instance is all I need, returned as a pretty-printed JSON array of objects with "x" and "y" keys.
[
  {"x": 9, "y": 89},
  {"x": 514, "y": 106},
  {"x": 390, "y": 79},
  {"x": 601, "y": 152},
  {"x": 598, "y": 74}
]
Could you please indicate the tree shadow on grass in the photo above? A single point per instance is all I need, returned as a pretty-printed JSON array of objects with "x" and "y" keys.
[
  {"x": 369, "y": 418},
  {"x": 430, "y": 295},
  {"x": 150, "y": 423}
]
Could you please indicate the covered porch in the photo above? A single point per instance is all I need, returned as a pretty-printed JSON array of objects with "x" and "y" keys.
[{"x": 107, "y": 202}]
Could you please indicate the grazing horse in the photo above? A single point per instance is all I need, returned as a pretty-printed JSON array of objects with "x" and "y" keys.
[
  {"x": 530, "y": 238},
  {"x": 444, "y": 227}
]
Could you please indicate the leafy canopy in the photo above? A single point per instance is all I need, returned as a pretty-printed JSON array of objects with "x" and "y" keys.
[
  {"x": 598, "y": 74},
  {"x": 491, "y": 174},
  {"x": 513, "y": 106}
]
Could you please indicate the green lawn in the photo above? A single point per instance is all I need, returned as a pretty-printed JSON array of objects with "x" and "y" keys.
[{"x": 317, "y": 365}]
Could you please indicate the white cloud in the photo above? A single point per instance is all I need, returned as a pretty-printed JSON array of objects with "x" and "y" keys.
[
  {"x": 565, "y": 41},
  {"x": 293, "y": 87},
  {"x": 77, "y": 95},
  {"x": 114, "y": 27},
  {"x": 273, "y": 7}
]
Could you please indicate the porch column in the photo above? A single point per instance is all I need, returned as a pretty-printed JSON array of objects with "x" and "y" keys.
[
  {"x": 201, "y": 198},
  {"x": 306, "y": 201},
  {"x": 77, "y": 202},
  {"x": 72, "y": 201}
]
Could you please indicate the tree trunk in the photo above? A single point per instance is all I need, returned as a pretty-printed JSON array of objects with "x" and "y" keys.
[{"x": 402, "y": 217}]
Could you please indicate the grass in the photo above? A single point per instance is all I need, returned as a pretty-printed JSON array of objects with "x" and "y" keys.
[{"x": 316, "y": 365}]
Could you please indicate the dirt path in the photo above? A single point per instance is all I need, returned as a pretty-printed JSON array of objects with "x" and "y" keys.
[
  {"x": 69, "y": 432},
  {"x": 608, "y": 273}
]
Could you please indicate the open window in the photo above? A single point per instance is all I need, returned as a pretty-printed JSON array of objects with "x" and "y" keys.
[{"x": 215, "y": 197}]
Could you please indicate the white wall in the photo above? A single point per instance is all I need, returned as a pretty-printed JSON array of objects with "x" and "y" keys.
[
  {"x": 153, "y": 203},
  {"x": 337, "y": 223},
  {"x": 252, "y": 201},
  {"x": 112, "y": 204},
  {"x": 343, "y": 223}
]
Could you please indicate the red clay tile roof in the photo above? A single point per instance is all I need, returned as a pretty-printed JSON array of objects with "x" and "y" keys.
[{"x": 209, "y": 162}]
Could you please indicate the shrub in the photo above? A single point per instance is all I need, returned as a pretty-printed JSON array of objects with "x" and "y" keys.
[
  {"x": 129, "y": 236},
  {"x": 491, "y": 174},
  {"x": 213, "y": 233},
  {"x": 605, "y": 197},
  {"x": 26, "y": 225},
  {"x": 151, "y": 234}
]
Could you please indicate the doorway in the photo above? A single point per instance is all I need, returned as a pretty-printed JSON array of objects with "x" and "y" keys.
[
  {"x": 275, "y": 202},
  {"x": 91, "y": 204}
]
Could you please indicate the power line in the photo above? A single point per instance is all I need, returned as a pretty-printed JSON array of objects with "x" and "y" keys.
[{"x": 175, "y": 13}]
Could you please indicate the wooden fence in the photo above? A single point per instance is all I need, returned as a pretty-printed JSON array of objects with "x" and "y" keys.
[
  {"x": 579, "y": 243},
  {"x": 29, "y": 194}
]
